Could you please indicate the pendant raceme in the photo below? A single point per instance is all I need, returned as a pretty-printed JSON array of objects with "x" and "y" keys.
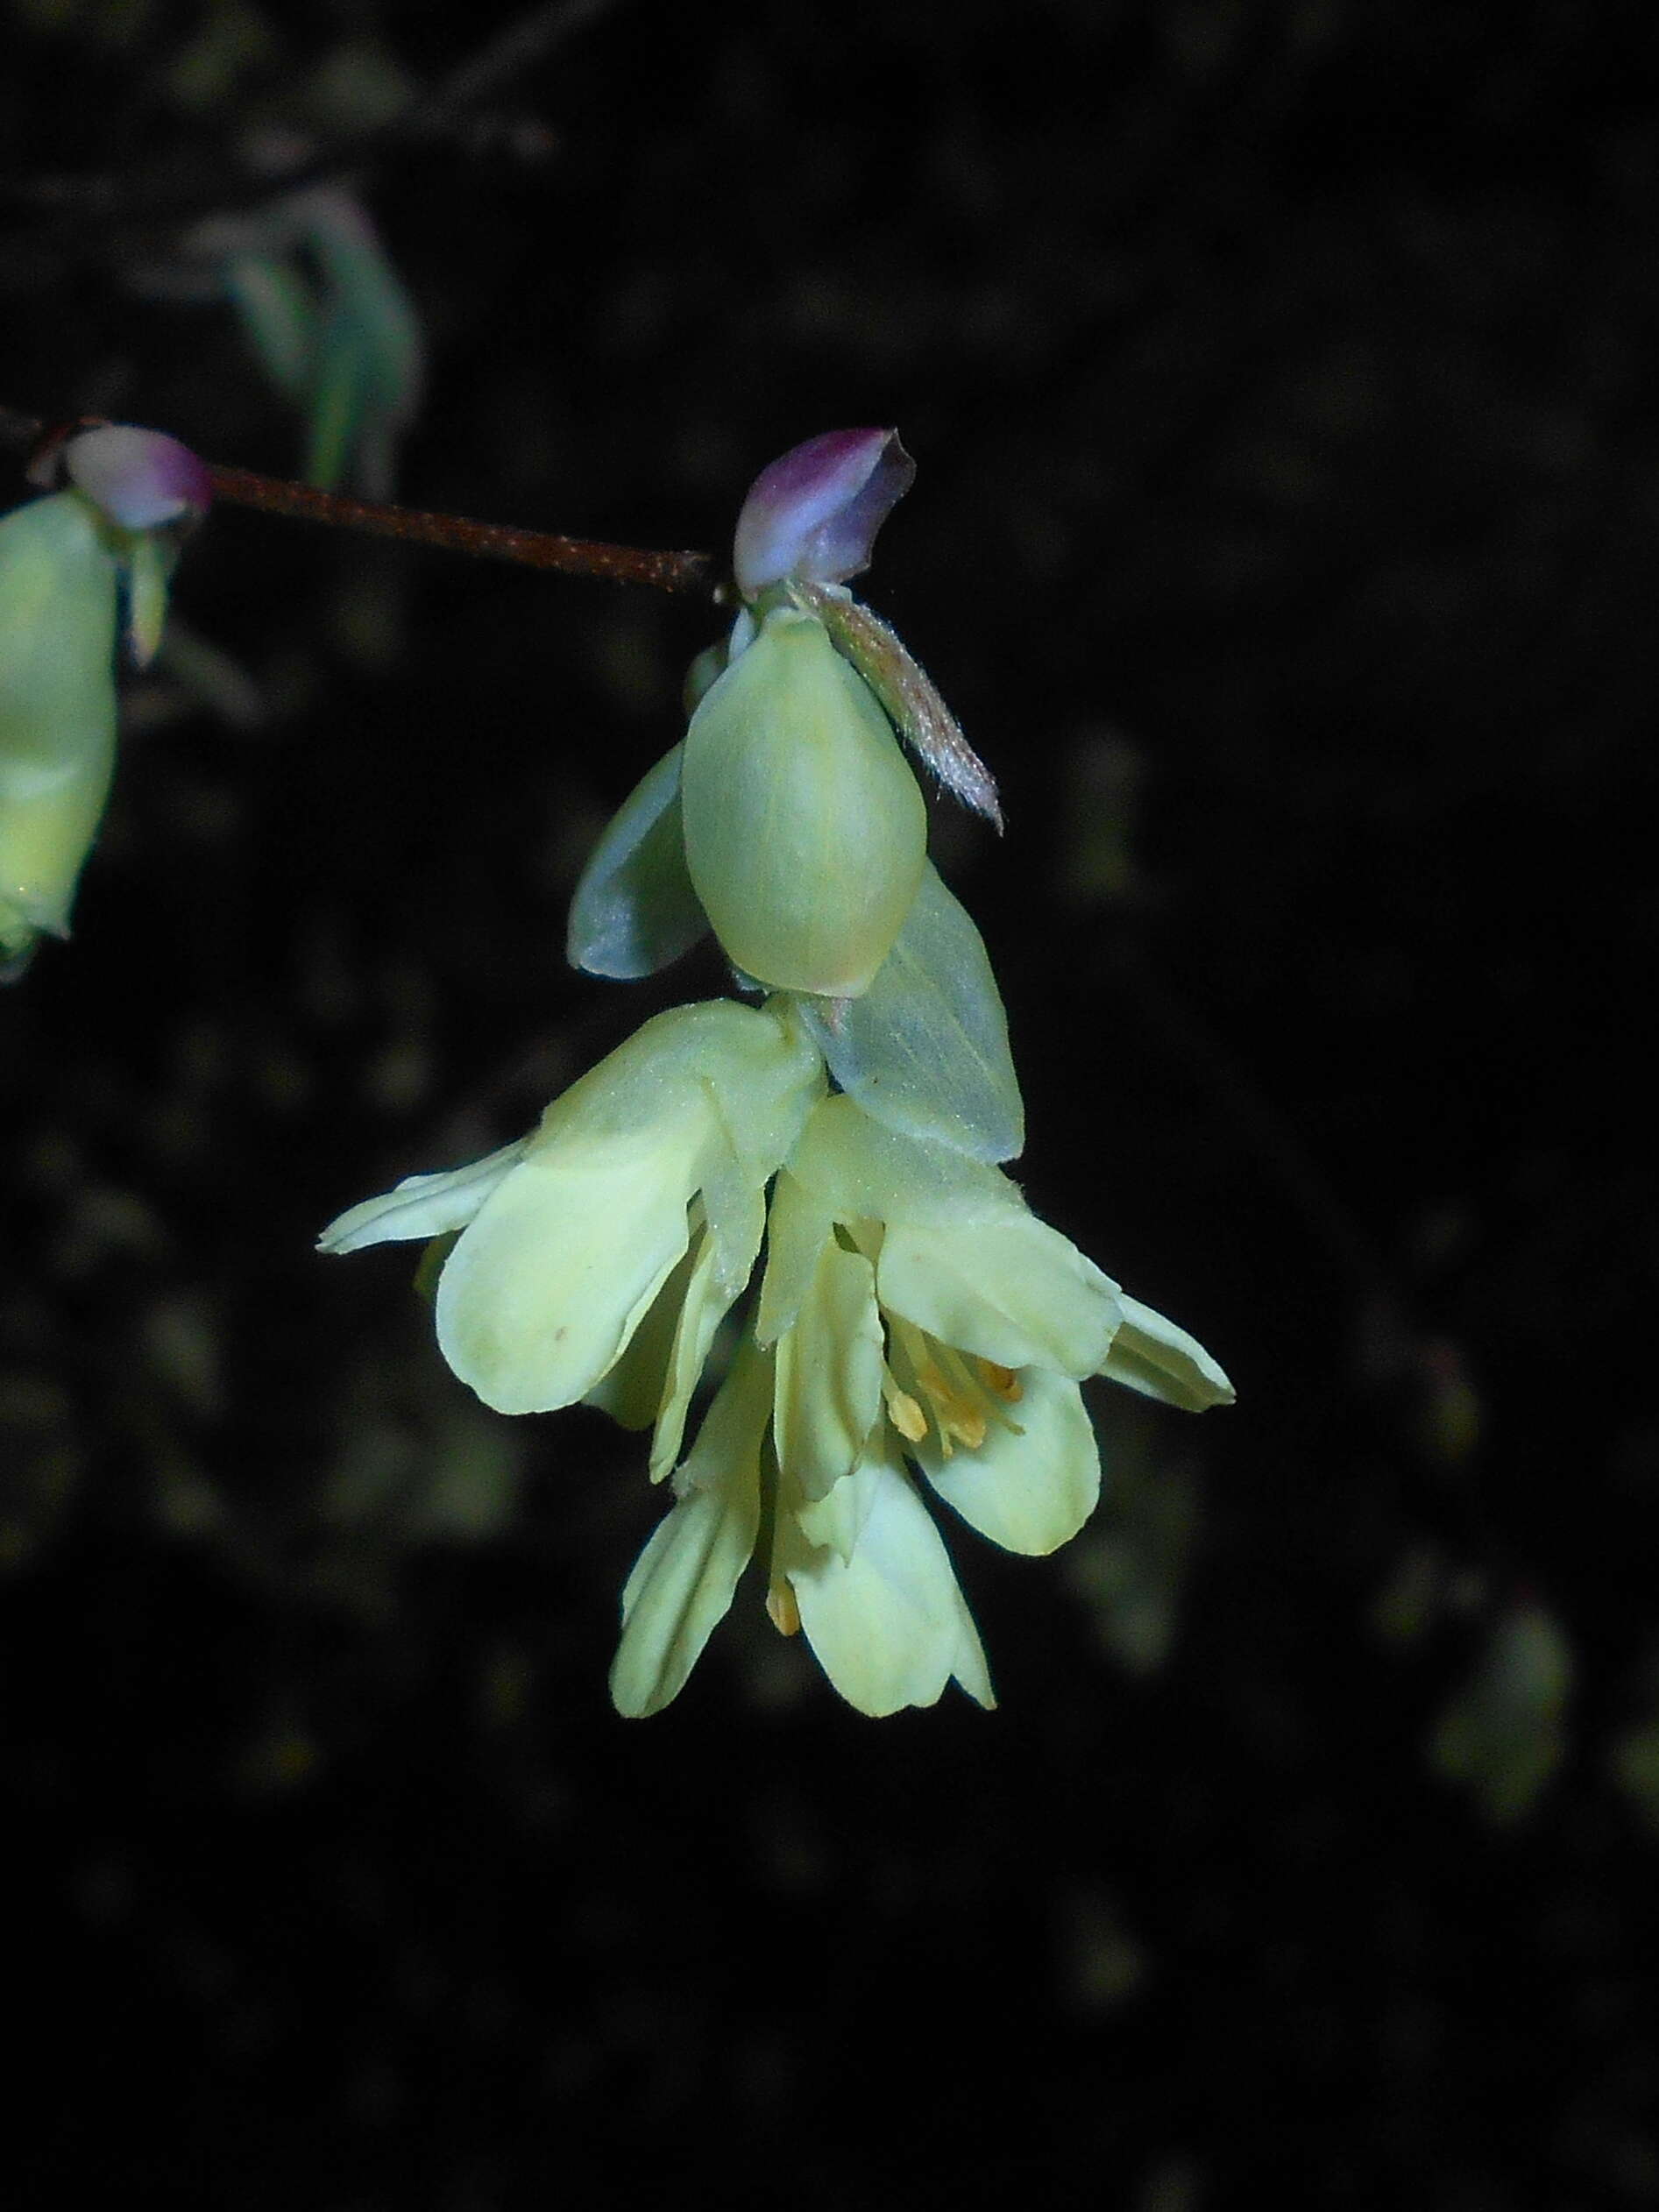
[
  {"x": 911, "y": 1309},
  {"x": 915, "y": 1330}
]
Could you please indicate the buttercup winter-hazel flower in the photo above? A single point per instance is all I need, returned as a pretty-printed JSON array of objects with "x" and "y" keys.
[
  {"x": 912, "y": 1307},
  {"x": 660, "y": 1155},
  {"x": 914, "y": 1329},
  {"x": 69, "y": 564}
]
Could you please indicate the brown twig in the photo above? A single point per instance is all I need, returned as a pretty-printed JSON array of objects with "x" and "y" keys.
[
  {"x": 682, "y": 571},
  {"x": 665, "y": 571}
]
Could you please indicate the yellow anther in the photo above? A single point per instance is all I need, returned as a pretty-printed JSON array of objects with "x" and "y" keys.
[
  {"x": 968, "y": 1426},
  {"x": 903, "y": 1411},
  {"x": 1002, "y": 1381},
  {"x": 954, "y": 1411},
  {"x": 784, "y": 1613}
]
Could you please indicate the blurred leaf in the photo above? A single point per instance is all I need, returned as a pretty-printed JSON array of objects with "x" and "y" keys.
[
  {"x": 1635, "y": 1767},
  {"x": 278, "y": 316},
  {"x": 1130, "y": 1566},
  {"x": 1100, "y": 822},
  {"x": 371, "y": 357},
  {"x": 423, "y": 1463},
  {"x": 1502, "y": 1735},
  {"x": 232, "y": 38},
  {"x": 1410, "y": 1600},
  {"x": 41, "y": 1463}
]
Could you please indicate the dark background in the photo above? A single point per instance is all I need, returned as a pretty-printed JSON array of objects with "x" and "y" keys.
[{"x": 1282, "y": 380}]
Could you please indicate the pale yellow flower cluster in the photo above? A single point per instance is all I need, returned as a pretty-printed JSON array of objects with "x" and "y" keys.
[
  {"x": 915, "y": 1322},
  {"x": 914, "y": 1328}
]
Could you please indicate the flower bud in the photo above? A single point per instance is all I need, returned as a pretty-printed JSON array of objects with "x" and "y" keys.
[
  {"x": 806, "y": 832},
  {"x": 56, "y": 709},
  {"x": 815, "y": 511},
  {"x": 139, "y": 478}
]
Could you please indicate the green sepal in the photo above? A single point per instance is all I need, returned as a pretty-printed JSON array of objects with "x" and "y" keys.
[
  {"x": 925, "y": 1049},
  {"x": 634, "y": 910}
]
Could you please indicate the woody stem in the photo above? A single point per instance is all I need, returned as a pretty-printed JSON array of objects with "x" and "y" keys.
[{"x": 666, "y": 571}]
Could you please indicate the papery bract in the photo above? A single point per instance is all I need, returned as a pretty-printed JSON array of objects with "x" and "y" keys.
[
  {"x": 814, "y": 512},
  {"x": 140, "y": 479}
]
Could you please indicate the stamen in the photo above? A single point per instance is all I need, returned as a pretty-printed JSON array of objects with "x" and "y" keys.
[
  {"x": 953, "y": 1409},
  {"x": 1002, "y": 1380},
  {"x": 784, "y": 1613},
  {"x": 945, "y": 1382},
  {"x": 902, "y": 1409},
  {"x": 967, "y": 1373}
]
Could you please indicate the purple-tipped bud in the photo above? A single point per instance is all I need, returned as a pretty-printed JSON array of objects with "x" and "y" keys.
[
  {"x": 139, "y": 478},
  {"x": 815, "y": 512}
]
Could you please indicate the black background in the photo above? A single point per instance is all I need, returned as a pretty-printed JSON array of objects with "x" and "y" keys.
[{"x": 1281, "y": 381}]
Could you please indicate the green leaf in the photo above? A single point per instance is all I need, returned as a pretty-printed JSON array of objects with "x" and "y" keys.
[
  {"x": 337, "y": 405},
  {"x": 635, "y": 908},
  {"x": 925, "y": 1049},
  {"x": 1504, "y": 1733},
  {"x": 370, "y": 367},
  {"x": 279, "y": 317}
]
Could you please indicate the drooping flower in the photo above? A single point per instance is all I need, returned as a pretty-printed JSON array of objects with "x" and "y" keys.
[
  {"x": 912, "y": 1308},
  {"x": 58, "y": 607},
  {"x": 917, "y": 1327},
  {"x": 72, "y": 566},
  {"x": 653, "y": 1167}
]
